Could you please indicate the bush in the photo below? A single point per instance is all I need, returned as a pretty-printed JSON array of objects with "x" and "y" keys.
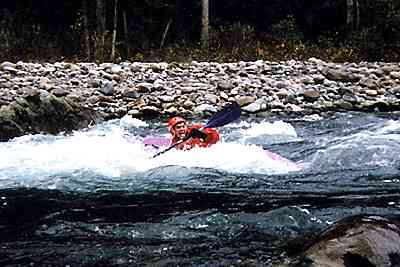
[
  {"x": 287, "y": 30},
  {"x": 369, "y": 41}
]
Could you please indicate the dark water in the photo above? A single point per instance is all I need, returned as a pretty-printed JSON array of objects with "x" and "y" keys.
[{"x": 60, "y": 208}]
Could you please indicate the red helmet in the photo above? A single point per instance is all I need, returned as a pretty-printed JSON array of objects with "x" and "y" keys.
[{"x": 174, "y": 121}]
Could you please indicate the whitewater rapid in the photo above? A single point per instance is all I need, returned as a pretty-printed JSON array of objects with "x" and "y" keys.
[{"x": 115, "y": 149}]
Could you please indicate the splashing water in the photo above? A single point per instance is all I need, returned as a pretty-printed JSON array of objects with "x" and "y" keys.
[{"x": 110, "y": 150}]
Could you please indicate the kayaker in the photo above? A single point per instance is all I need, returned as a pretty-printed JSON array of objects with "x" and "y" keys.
[{"x": 179, "y": 129}]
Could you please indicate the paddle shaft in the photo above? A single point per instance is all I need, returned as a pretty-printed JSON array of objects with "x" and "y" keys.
[
  {"x": 228, "y": 114},
  {"x": 176, "y": 144}
]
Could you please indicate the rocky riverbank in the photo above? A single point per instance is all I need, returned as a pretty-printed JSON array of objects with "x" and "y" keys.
[{"x": 143, "y": 90}]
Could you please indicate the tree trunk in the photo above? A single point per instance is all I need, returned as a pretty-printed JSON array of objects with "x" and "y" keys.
[
  {"x": 114, "y": 36},
  {"x": 165, "y": 33},
  {"x": 357, "y": 7},
  {"x": 125, "y": 33},
  {"x": 86, "y": 37},
  {"x": 204, "y": 25},
  {"x": 179, "y": 15},
  {"x": 350, "y": 15},
  {"x": 101, "y": 28}
]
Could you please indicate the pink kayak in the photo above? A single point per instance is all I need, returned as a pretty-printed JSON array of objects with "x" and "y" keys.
[
  {"x": 163, "y": 142},
  {"x": 156, "y": 142}
]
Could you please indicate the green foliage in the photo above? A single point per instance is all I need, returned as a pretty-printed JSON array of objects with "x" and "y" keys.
[
  {"x": 237, "y": 33},
  {"x": 138, "y": 57},
  {"x": 328, "y": 40},
  {"x": 343, "y": 54},
  {"x": 249, "y": 30},
  {"x": 391, "y": 34},
  {"x": 228, "y": 42},
  {"x": 368, "y": 40},
  {"x": 8, "y": 38},
  {"x": 287, "y": 29}
]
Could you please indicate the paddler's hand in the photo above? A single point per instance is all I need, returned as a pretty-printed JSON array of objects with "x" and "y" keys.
[{"x": 196, "y": 133}]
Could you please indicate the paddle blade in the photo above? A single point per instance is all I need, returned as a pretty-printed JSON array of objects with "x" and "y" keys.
[{"x": 228, "y": 114}]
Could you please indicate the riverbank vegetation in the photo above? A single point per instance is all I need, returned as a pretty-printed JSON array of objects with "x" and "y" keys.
[{"x": 173, "y": 30}]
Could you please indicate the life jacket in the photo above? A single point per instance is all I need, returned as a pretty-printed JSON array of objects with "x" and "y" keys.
[{"x": 212, "y": 138}]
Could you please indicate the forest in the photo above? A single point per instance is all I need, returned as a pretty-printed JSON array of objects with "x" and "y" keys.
[{"x": 202, "y": 30}]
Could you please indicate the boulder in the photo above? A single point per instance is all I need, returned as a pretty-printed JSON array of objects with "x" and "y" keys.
[
  {"x": 340, "y": 74},
  {"x": 362, "y": 240},
  {"x": 311, "y": 95},
  {"x": 40, "y": 111},
  {"x": 107, "y": 88}
]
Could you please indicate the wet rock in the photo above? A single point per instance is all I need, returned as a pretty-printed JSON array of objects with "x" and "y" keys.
[
  {"x": 224, "y": 96},
  {"x": 395, "y": 74},
  {"x": 116, "y": 69},
  {"x": 357, "y": 241},
  {"x": 8, "y": 128},
  {"x": 395, "y": 90},
  {"x": 75, "y": 82},
  {"x": 245, "y": 100},
  {"x": 257, "y": 106},
  {"x": 387, "y": 69},
  {"x": 130, "y": 93},
  {"x": 107, "y": 89},
  {"x": 172, "y": 110},
  {"x": 282, "y": 84},
  {"x": 350, "y": 98},
  {"x": 59, "y": 92},
  {"x": 134, "y": 113},
  {"x": 339, "y": 75},
  {"x": 311, "y": 95},
  {"x": 39, "y": 112},
  {"x": 308, "y": 81},
  {"x": 343, "y": 104},
  {"x": 187, "y": 89},
  {"x": 293, "y": 82},
  {"x": 346, "y": 90},
  {"x": 316, "y": 61},
  {"x": 95, "y": 83},
  {"x": 167, "y": 98},
  {"x": 224, "y": 85},
  {"x": 204, "y": 109},
  {"x": 293, "y": 108},
  {"x": 283, "y": 93},
  {"x": 8, "y": 67},
  {"x": 7, "y": 64},
  {"x": 318, "y": 79},
  {"x": 188, "y": 104},
  {"x": 370, "y": 92},
  {"x": 370, "y": 83},
  {"x": 211, "y": 98},
  {"x": 150, "y": 111},
  {"x": 144, "y": 87}
]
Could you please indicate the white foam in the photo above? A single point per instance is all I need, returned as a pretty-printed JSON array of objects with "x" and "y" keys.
[
  {"x": 268, "y": 128},
  {"x": 114, "y": 153},
  {"x": 103, "y": 154},
  {"x": 129, "y": 121},
  {"x": 230, "y": 157},
  {"x": 389, "y": 127},
  {"x": 240, "y": 124}
]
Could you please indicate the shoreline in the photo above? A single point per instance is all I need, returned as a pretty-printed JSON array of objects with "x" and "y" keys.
[{"x": 195, "y": 89}]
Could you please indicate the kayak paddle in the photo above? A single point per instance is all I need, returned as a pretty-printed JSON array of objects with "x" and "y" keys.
[{"x": 228, "y": 114}]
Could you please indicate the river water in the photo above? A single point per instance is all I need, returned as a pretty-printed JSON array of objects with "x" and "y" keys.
[{"x": 96, "y": 197}]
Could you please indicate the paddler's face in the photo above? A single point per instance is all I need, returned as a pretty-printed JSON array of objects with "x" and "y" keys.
[{"x": 180, "y": 130}]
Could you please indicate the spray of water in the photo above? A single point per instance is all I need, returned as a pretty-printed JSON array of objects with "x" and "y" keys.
[{"x": 110, "y": 150}]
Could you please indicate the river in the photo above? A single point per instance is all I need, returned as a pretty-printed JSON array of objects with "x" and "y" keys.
[{"x": 96, "y": 197}]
